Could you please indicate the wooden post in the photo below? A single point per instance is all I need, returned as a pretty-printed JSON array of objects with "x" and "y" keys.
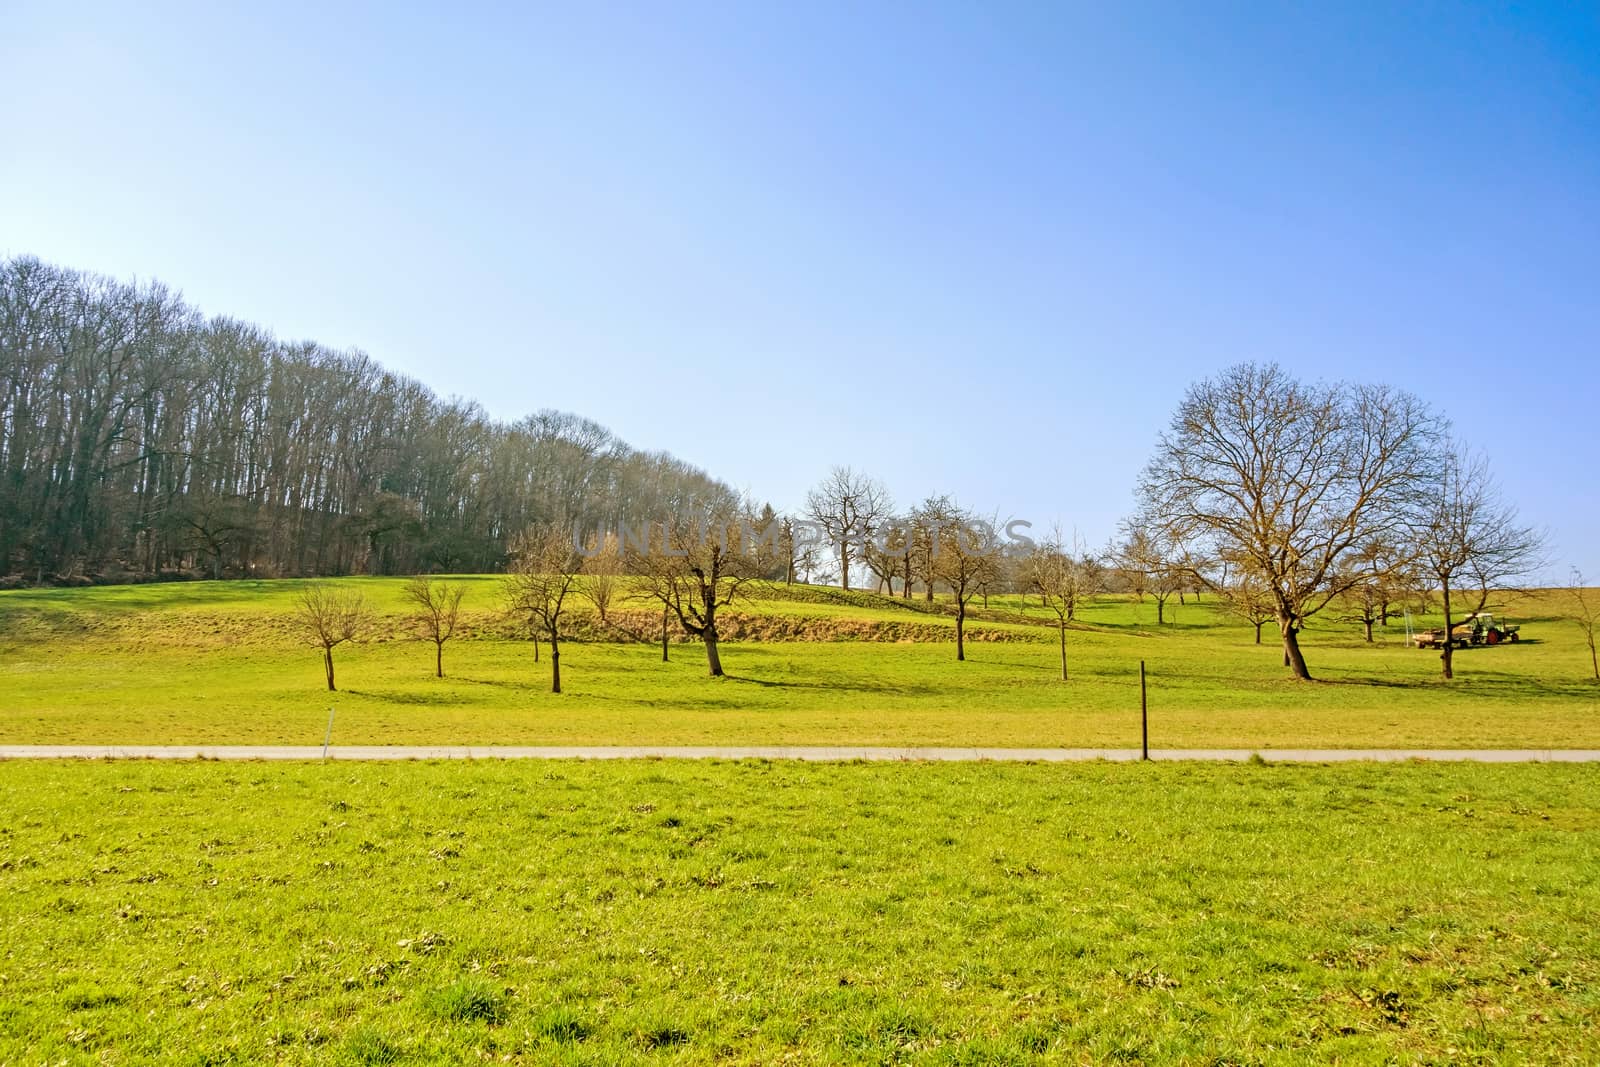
[{"x": 1144, "y": 715}]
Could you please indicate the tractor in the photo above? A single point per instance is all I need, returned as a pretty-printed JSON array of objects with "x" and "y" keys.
[{"x": 1479, "y": 628}]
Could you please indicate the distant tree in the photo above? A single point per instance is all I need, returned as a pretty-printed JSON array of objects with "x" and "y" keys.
[
  {"x": 1587, "y": 616},
  {"x": 602, "y": 573},
  {"x": 1468, "y": 540},
  {"x": 435, "y": 613},
  {"x": 698, "y": 566},
  {"x": 886, "y": 551},
  {"x": 1247, "y": 597},
  {"x": 1062, "y": 578},
  {"x": 926, "y": 520},
  {"x": 330, "y": 617},
  {"x": 965, "y": 552},
  {"x": 848, "y": 506},
  {"x": 1290, "y": 480},
  {"x": 1153, "y": 563},
  {"x": 544, "y": 568}
]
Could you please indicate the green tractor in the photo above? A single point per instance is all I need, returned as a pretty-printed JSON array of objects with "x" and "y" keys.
[{"x": 1479, "y": 628}]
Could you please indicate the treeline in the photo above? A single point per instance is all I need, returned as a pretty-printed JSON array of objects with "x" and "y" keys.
[{"x": 139, "y": 439}]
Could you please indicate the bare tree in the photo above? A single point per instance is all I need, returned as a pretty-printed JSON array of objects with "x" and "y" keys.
[
  {"x": 1152, "y": 562},
  {"x": 698, "y": 567},
  {"x": 965, "y": 557},
  {"x": 435, "y": 613},
  {"x": 1290, "y": 480},
  {"x": 330, "y": 617},
  {"x": 1467, "y": 539},
  {"x": 848, "y": 506},
  {"x": 544, "y": 568},
  {"x": 1062, "y": 578},
  {"x": 602, "y": 571},
  {"x": 1247, "y": 597},
  {"x": 1587, "y": 616}
]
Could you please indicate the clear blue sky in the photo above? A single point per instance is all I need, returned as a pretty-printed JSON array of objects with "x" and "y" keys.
[{"x": 977, "y": 249}]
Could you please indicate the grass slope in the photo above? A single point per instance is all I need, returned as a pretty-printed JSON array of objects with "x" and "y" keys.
[
  {"x": 760, "y": 913},
  {"x": 222, "y": 663}
]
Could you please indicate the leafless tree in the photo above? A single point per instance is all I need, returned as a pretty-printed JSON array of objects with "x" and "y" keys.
[
  {"x": 1152, "y": 562},
  {"x": 1468, "y": 540},
  {"x": 544, "y": 568},
  {"x": 698, "y": 567},
  {"x": 1247, "y": 597},
  {"x": 1587, "y": 616},
  {"x": 1290, "y": 479},
  {"x": 435, "y": 613},
  {"x": 848, "y": 506},
  {"x": 1062, "y": 578},
  {"x": 886, "y": 552},
  {"x": 331, "y": 616},
  {"x": 965, "y": 556},
  {"x": 602, "y": 573}
]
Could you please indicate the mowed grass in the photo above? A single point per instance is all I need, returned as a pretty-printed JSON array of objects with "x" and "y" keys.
[
  {"x": 220, "y": 663},
  {"x": 188, "y": 913}
]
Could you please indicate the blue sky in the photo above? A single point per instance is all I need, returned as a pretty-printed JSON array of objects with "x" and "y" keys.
[{"x": 978, "y": 249}]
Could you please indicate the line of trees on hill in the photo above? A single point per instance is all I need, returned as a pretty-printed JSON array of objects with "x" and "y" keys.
[{"x": 139, "y": 439}]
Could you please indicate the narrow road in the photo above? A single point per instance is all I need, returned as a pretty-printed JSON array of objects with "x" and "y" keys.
[{"x": 816, "y": 753}]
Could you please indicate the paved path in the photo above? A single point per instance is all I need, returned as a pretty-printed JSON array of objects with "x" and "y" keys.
[{"x": 1044, "y": 755}]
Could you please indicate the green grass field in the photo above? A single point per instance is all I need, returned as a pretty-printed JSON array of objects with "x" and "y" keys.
[
  {"x": 221, "y": 663},
  {"x": 189, "y": 913}
]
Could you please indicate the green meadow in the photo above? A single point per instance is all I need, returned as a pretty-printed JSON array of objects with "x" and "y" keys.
[
  {"x": 224, "y": 662},
  {"x": 754, "y": 912}
]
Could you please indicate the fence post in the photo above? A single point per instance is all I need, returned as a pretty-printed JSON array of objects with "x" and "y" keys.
[{"x": 1144, "y": 715}]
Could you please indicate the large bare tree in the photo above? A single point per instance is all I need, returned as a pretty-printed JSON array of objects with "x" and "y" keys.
[
  {"x": 544, "y": 568},
  {"x": 330, "y": 617},
  {"x": 1468, "y": 540},
  {"x": 435, "y": 613},
  {"x": 1290, "y": 479},
  {"x": 848, "y": 505}
]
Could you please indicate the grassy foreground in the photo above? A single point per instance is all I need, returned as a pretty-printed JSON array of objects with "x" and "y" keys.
[
  {"x": 763, "y": 913},
  {"x": 221, "y": 662}
]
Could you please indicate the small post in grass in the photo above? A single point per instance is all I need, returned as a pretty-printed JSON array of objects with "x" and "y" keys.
[
  {"x": 1144, "y": 716},
  {"x": 327, "y": 737}
]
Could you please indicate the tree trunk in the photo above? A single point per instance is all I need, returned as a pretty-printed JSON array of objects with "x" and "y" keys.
[
  {"x": 664, "y": 658},
  {"x": 844, "y": 565},
  {"x": 1368, "y": 623},
  {"x": 713, "y": 661},
  {"x": 1161, "y": 610},
  {"x": 438, "y": 659},
  {"x": 555, "y": 662},
  {"x": 1448, "y": 655},
  {"x": 327, "y": 665},
  {"x": 1063, "y": 651},
  {"x": 1293, "y": 658},
  {"x": 961, "y": 628},
  {"x": 1258, "y": 633},
  {"x": 536, "y": 648}
]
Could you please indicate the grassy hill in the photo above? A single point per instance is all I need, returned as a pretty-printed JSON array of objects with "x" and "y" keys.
[{"x": 223, "y": 662}]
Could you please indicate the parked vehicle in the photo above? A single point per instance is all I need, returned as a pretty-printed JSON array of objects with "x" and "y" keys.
[{"x": 1480, "y": 628}]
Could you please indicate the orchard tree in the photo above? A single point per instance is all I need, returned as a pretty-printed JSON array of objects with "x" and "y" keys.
[
  {"x": 331, "y": 617},
  {"x": 1468, "y": 540},
  {"x": 435, "y": 613},
  {"x": 848, "y": 506},
  {"x": 544, "y": 568},
  {"x": 1291, "y": 480},
  {"x": 1063, "y": 578},
  {"x": 966, "y": 558},
  {"x": 1587, "y": 616},
  {"x": 697, "y": 566}
]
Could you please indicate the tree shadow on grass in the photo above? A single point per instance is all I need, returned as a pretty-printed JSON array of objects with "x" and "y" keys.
[{"x": 843, "y": 687}]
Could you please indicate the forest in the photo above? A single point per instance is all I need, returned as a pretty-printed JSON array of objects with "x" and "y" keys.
[{"x": 140, "y": 439}]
